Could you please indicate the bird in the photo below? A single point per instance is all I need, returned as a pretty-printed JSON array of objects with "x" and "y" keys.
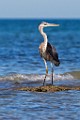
[{"x": 47, "y": 51}]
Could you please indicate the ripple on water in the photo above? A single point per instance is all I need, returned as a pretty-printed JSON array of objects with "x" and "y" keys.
[{"x": 26, "y": 105}]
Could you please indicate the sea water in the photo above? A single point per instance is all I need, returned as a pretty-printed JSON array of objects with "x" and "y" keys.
[{"x": 20, "y": 62}]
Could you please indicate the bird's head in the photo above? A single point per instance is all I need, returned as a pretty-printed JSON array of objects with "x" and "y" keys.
[{"x": 46, "y": 24}]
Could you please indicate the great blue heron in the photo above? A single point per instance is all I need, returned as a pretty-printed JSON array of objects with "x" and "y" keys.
[{"x": 47, "y": 51}]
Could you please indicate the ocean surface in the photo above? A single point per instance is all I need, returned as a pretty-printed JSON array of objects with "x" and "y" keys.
[{"x": 21, "y": 63}]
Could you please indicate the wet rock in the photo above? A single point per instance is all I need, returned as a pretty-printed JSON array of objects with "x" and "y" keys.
[{"x": 48, "y": 88}]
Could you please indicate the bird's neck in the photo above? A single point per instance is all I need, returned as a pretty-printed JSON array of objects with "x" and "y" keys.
[{"x": 45, "y": 37}]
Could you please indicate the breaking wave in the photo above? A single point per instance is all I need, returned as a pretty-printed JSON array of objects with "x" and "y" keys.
[{"x": 36, "y": 77}]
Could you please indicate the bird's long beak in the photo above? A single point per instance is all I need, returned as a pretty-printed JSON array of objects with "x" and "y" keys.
[{"x": 54, "y": 25}]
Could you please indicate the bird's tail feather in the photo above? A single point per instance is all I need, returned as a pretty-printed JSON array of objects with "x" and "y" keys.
[{"x": 56, "y": 63}]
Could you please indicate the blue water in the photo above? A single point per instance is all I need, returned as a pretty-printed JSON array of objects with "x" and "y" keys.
[
  {"x": 20, "y": 39},
  {"x": 20, "y": 61}
]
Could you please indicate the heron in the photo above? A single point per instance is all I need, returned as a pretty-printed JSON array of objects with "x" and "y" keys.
[{"x": 47, "y": 51}]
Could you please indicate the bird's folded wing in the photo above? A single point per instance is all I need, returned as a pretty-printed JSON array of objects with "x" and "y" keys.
[{"x": 52, "y": 51}]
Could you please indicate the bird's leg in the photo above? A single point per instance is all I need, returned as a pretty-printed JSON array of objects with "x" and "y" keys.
[
  {"x": 52, "y": 72},
  {"x": 45, "y": 76},
  {"x": 46, "y": 71}
]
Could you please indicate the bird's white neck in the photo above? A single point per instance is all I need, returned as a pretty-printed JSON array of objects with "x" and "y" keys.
[{"x": 44, "y": 36}]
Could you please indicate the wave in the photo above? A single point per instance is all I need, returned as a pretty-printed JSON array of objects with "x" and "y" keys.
[{"x": 36, "y": 77}]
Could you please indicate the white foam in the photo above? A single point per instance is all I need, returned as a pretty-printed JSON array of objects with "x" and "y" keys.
[{"x": 37, "y": 77}]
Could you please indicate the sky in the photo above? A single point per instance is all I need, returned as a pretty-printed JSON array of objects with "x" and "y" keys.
[{"x": 39, "y": 8}]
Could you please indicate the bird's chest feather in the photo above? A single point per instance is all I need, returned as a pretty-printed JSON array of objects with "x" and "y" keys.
[
  {"x": 44, "y": 54},
  {"x": 42, "y": 49}
]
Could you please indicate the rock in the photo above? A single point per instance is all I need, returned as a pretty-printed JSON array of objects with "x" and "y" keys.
[{"x": 48, "y": 88}]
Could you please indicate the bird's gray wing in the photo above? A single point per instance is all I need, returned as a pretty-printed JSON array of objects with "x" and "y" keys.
[{"x": 52, "y": 51}]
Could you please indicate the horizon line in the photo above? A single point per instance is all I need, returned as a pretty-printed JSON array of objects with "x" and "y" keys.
[{"x": 17, "y": 18}]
